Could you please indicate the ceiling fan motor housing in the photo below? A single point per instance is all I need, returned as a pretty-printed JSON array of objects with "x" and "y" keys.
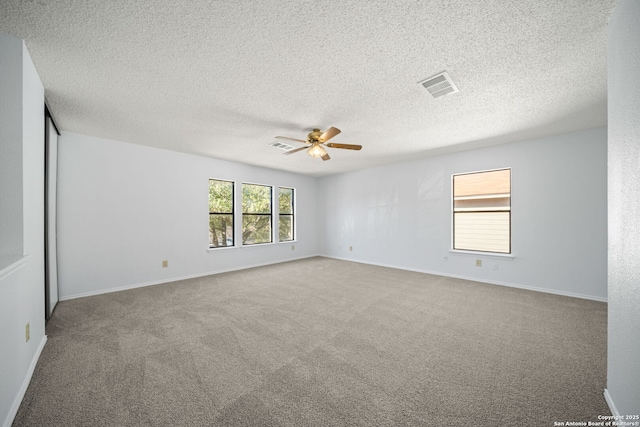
[{"x": 314, "y": 135}]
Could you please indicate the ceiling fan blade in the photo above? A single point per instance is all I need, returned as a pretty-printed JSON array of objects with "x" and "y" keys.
[
  {"x": 345, "y": 146},
  {"x": 295, "y": 151},
  {"x": 291, "y": 139},
  {"x": 325, "y": 157},
  {"x": 329, "y": 133}
]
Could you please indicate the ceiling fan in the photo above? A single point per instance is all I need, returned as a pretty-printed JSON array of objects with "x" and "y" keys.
[{"x": 318, "y": 141}]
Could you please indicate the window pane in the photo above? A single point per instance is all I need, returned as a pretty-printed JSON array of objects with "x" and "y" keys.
[
  {"x": 256, "y": 229},
  {"x": 286, "y": 228},
  {"x": 256, "y": 199},
  {"x": 482, "y": 231},
  {"x": 220, "y": 230},
  {"x": 482, "y": 183},
  {"x": 220, "y": 196},
  {"x": 286, "y": 200}
]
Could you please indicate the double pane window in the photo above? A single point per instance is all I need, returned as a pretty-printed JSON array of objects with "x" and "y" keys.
[
  {"x": 256, "y": 214},
  {"x": 286, "y": 214},
  {"x": 220, "y": 213},
  {"x": 482, "y": 211}
]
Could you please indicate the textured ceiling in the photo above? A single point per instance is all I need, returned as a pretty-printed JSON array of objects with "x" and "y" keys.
[{"x": 221, "y": 78}]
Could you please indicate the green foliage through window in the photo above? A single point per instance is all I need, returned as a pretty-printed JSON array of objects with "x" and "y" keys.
[
  {"x": 220, "y": 213},
  {"x": 285, "y": 217},
  {"x": 256, "y": 214}
]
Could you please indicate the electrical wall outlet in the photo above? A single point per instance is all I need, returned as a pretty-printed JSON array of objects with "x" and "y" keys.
[
  {"x": 478, "y": 263},
  {"x": 293, "y": 247},
  {"x": 350, "y": 248},
  {"x": 27, "y": 332},
  {"x": 165, "y": 263}
]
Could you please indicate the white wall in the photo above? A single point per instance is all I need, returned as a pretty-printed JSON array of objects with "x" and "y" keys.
[
  {"x": 11, "y": 240},
  {"x": 22, "y": 283},
  {"x": 623, "y": 362},
  {"x": 123, "y": 208},
  {"x": 400, "y": 215}
]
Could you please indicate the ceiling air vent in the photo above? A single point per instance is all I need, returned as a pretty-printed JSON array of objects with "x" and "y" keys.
[
  {"x": 280, "y": 145},
  {"x": 439, "y": 85}
]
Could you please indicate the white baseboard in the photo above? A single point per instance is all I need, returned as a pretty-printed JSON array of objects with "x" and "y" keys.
[
  {"x": 175, "y": 279},
  {"x": 612, "y": 406},
  {"x": 25, "y": 384},
  {"x": 475, "y": 279}
]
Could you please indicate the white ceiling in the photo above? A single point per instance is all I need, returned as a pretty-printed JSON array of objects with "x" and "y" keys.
[{"x": 221, "y": 78}]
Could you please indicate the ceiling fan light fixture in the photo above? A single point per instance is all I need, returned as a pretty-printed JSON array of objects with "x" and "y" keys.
[
  {"x": 316, "y": 151},
  {"x": 317, "y": 139}
]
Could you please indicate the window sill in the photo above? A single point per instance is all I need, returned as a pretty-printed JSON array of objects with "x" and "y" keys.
[
  {"x": 257, "y": 245},
  {"x": 482, "y": 254},
  {"x": 226, "y": 248},
  {"x": 222, "y": 248}
]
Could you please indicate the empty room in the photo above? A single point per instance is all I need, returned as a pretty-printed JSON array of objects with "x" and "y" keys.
[{"x": 319, "y": 213}]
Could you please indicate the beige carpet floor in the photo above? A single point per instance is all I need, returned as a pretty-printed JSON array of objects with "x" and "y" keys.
[{"x": 320, "y": 342}]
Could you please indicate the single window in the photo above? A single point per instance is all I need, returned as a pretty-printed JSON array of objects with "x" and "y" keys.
[
  {"x": 482, "y": 211},
  {"x": 220, "y": 213},
  {"x": 286, "y": 214},
  {"x": 256, "y": 214}
]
